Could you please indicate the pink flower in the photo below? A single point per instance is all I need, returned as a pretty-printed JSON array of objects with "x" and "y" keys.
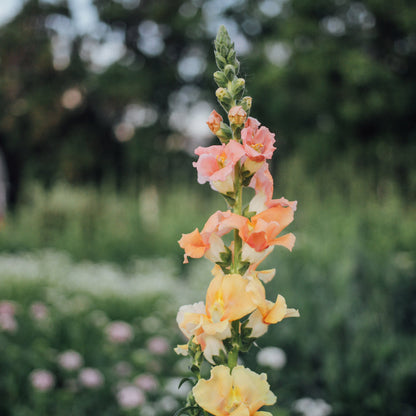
[
  {"x": 262, "y": 183},
  {"x": 130, "y": 397},
  {"x": 214, "y": 121},
  {"x": 42, "y": 380},
  {"x": 146, "y": 382},
  {"x": 8, "y": 323},
  {"x": 216, "y": 165},
  {"x": 119, "y": 332},
  {"x": 158, "y": 345},
  {"x": 257, "y": 143},
  {"x": 39, "y": 311},
  {"x": 91, "y": 378},
  {"x": 70, "y": 360},
  {"x": 7, "y": 307}
]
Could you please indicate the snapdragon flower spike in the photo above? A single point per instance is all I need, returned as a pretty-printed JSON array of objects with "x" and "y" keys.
[{"x": 236, "y": 310}]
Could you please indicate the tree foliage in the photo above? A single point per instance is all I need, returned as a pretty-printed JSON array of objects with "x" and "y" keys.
[{"x": 335, "y": 79}]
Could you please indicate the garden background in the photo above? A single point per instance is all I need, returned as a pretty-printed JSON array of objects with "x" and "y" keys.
[{"x": 102, "y": 104}]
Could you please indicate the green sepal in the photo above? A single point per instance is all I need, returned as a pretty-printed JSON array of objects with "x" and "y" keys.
[
  {"x": 230, "y": 199},
  {"x": 248, "y": 214},
  {"x": 225, "y": 256},
  {"x": 246, "y": 177},
  {"x": 229, "y": 72},
  {"x": 237, "y": 88},
  {"x": 225, "y": 133},
  {"x": 220, "y": 60},
  {"x": 184, "y": 380},
  {"x": 243, "y": 268},
  {"x": 220, "y": 359}
]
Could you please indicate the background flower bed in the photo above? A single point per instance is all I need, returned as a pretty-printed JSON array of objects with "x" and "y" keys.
[{"x": 352, "y": 275}]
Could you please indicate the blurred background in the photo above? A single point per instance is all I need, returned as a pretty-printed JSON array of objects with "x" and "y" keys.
[{"x": 103, "y": 103}]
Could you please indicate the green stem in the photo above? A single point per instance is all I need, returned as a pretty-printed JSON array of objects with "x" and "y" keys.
[
  {"x": 237, "y": 209},
  {"x": 233, "y": 357}
]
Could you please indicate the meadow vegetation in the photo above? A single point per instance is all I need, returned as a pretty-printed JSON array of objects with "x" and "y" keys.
[{"x": 351, "y": 274}]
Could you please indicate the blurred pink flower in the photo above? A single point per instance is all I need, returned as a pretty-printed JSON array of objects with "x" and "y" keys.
[
  {"x": 7, "y": 307},
  {"x": 39, "y": 311},
  {"x": 91, "y": 378},
  {"x": 119, "y": 332},
  {"x": 8, "y": 323},
  {"x": 130, "y": 397},
  {"x": 42, "y": 380},
  {"x": 70, "y": 360},
  {"x": 146, "y": 382},
  {"x": 158, "y": 345}
]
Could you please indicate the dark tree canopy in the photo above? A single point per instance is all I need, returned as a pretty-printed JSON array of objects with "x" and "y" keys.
[{"x": 114, "y": 103}]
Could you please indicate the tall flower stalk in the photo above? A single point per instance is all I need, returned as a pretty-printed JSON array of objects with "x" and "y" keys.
[{"x": 235, "y": 312}]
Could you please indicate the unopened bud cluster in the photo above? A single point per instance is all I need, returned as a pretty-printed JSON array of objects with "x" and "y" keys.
[{"x": 230, "y": 92}]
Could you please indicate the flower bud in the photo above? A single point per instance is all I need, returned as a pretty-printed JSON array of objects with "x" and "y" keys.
[
  {"x": 220, "y": 60},
  {"x": 246, "y": 103},
  {"x": 237, "y": 86},
  {"x": 220, "y": 79},
  {"x": 223, "y": 96},
  {"x": 214, "y": 121},
  {"x": 237, "y": 115},
  {"x": 229, "y": 72}
]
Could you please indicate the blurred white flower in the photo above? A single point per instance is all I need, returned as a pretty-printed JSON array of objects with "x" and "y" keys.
[
  {"x": 130, "y": 396},
  {"x": 312, "y": 407},
  {"x": 146, "y": 382},
  {"x": 168, "y": 404},
  {"x": 272, "y": 357},
  {"x": 42, "y": 380},
  {"x": 70, "y": 360},
  {"x": 39, "y": 311},
  {"x": 91, "y": 378},
  {"x": 158, "y": 345},
  {"x": 119, "y": 332}
]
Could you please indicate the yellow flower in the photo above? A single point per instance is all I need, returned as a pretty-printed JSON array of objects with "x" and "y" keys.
[
  {"x": 229, "y": 298},
  {"x": 239, "y": 393}
]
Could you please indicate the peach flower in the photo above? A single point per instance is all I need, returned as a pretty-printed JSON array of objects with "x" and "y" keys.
[
  {"x": 208, "y": 242},
  {"x": 241, "y": 392},
  {"x": 269, "y": 313},
  {"x": 216, "y": 165},
  {"x": 261, "y": 231},
  {"x": 228, "y": 298}
]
